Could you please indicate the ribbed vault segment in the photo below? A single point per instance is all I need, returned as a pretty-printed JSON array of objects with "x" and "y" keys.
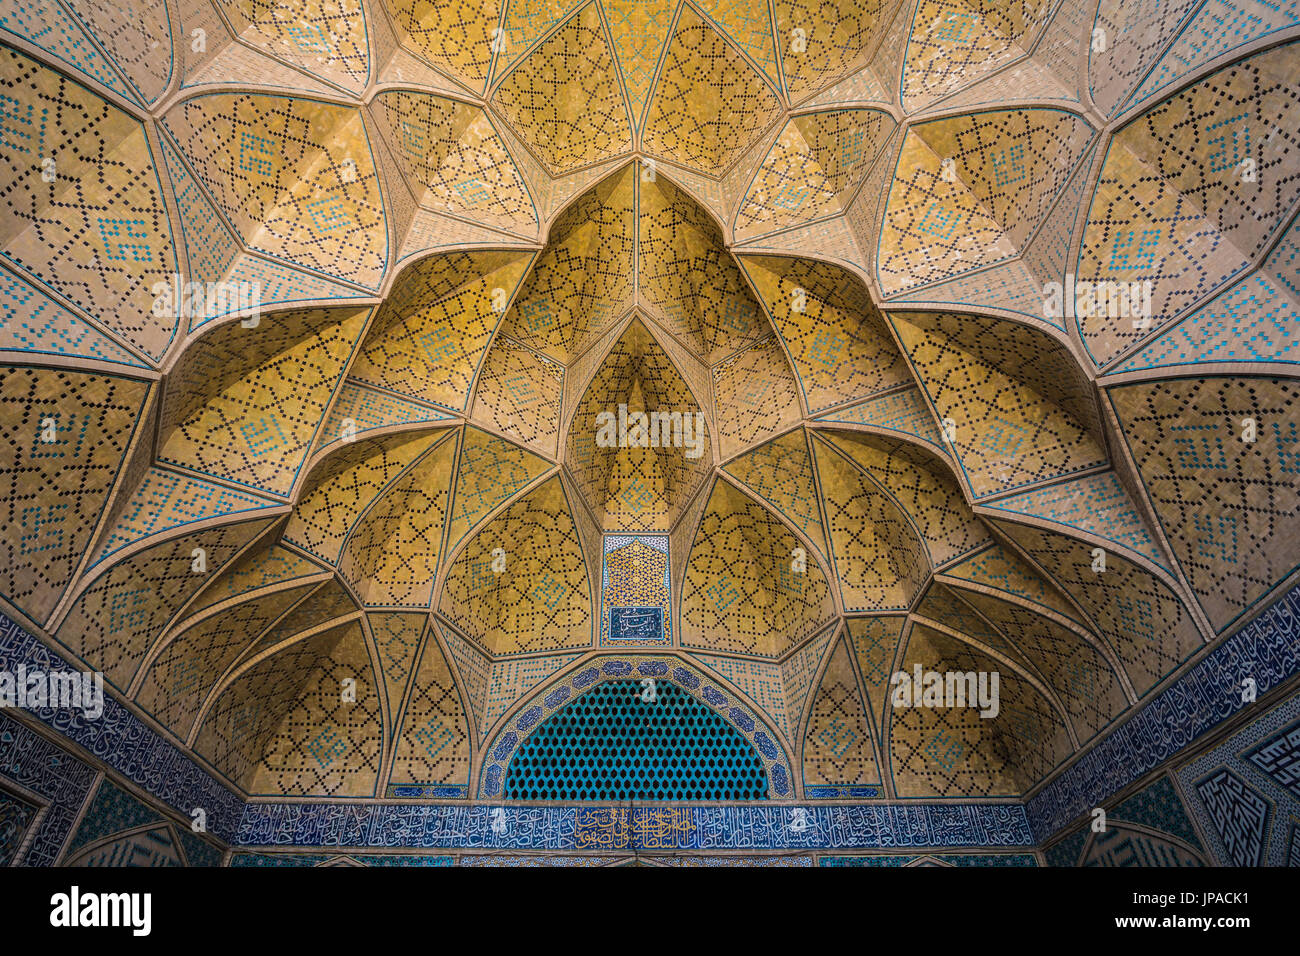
[{"x": 633, "y": 479}]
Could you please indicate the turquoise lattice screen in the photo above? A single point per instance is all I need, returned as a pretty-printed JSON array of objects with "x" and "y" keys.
[{"x": 610, "y": 744}]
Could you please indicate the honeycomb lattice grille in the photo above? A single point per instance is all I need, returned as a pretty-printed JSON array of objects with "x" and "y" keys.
[{"x": 612, "y": 744}]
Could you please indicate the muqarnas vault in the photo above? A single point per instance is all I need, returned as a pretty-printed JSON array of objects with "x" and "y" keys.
[{"x": 982, "y": 315}]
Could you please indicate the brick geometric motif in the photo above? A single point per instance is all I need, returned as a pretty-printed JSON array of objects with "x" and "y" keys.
[
  {"x": 246, "y": 405},
  {"x": 879, "y": 560},
  {"x": 954, "y": 42},
  {"x": 1144, "y": 622},
  {"x": 1216, "y": 28},
  {"x": 875, "y": 642},
  {"x": 942, "y": 751},
  {"x": 1191, "y": 191},
  {"x": 583, "y": 279},
  {"x": 30, "y": 321},
  {"x": 542, "y": 600},
  {"x": 925, "y": 489},
  {"x": 798, "y": 671},
  {"x": 933, "y": 227},
  {"x": 167, "y": 500},
  {"x": 359, "y": 409},
  {"x": 55, "y": 489},
  {"x": 282, "y": 727},
  {"x": 294, "y": 176},
  {"x": 1022, "y": 410},
  {"x": 688, "y": 279},
  {"x": 564, "y": 100},
  {"x": 857, "y": 87},
  {"x": 475, "y": 671},
  {"x": 1081, "y": 677},
  {"x": 837, "y": 748},
  {"x": 1227, "y": 506},
  {"x": 865, "y": 213},
  {"x": 451, "y": 149},
  {"x": 943, "y": 606},
  {"x": 339, "y": 490},
  {"x": 1011, "y": 285},
  {"x": 837, "y": 33},
  {"x": 433, "y": 745},
  {"x": 633, "y": 488},
  {"x": 211, "y": 246},
  {"x": 327, "y": 603},
  {"x": 741, "y": 591},
  {"x": 1001, "y": 568},
  {"x": 837, "y": 338},
  {"x": 512, "y": 679},
  {"x": 706, "y": 133},
  {"x": 969, "y": 190},
  {"x": 935, "y": 751},
  {"x": 518, "y": 392},
  {"x": 324, "y": 37},
  {"x": 453, "y": 35},
  {"x": 904, "y": 410},
  {"x": 98, "y": 232},
  {"x": 813, "y": 169},
  {"x": 283, "y": 283},
  {"x": 1096, "y": 503},
  {"x": 782, "y": 472},
  {"x": 256, "y": 568},
  {"x": 57, "y": 32},
  {"x": 1255, "y": 320},
  {"x": 391, "y": 555},
  {"x": 639, "y": 30},
  {"x": 490, "y": 471},
  {"x": 429, "y": 336},
  {"x": 1135, "y": 34},
  {"x": 137, "y": 35},
  {"x": 750, "y": 25},
  {"x": 189, "y": 667},
  {"x": 552, "y": 195},
  {"x": 1048, "y": 254},
  {"x": 761, "y": 681},
  {"x": 525, "y": 22},
  {"x": 112, "y": 625},
  {"x": 754, "y": 395}
]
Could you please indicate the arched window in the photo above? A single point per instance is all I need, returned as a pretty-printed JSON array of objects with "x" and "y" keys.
[{"x": 628, "y": 740}]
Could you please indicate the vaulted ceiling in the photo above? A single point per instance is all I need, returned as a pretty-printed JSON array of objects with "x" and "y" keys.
[{"x": 830, "y": 230}]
